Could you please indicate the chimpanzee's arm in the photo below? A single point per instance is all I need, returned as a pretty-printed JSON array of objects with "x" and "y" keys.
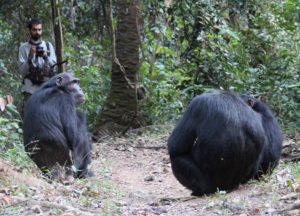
[{"x": 185, "y": 133}]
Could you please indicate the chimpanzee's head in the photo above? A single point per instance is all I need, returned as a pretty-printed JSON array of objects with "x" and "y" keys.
[
  {"x": 254, "y": 103},
  {"x": 68, "y": 83}
]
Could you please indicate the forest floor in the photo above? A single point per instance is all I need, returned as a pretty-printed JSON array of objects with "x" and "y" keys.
[{"x": 134, "y": 177}]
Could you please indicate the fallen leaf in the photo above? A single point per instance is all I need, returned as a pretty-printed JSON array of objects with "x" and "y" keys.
[{"x": 5, "y": 200}]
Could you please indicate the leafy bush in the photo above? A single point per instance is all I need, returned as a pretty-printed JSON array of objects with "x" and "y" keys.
[
  {"x": 89, "y": 62},
  {"x": 11, "y": 138},
  {"x": 249, "y": 47}
]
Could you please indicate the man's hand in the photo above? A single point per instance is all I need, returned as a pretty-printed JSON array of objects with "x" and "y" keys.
[
  {"x": 45, "y": 55},
  {"x": 32, "y": 52}
]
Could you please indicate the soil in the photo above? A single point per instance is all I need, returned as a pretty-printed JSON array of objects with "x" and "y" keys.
[{"x": 134, "y": 177}]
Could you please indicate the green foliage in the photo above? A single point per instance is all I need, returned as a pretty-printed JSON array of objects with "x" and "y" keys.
[
  {"x": 11, "y": 83},
  {"x": 89, "y": 62},
  {"x": 250, "y": 47},
  {"x": 86, "y": 46},
  {"x": 296, "y": 171},
  {"x": 160, "y": 72},
  {"x": 11, "y": 134},
  {"x": 277, "y": 76},
  {"x": 246, "y": 46},
  {"x": 11, "y": 140}
]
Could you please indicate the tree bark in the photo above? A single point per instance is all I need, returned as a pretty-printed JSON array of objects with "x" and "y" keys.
[
  {"x": 59, "y": 41},
  {"x": 121, "y": 107}
]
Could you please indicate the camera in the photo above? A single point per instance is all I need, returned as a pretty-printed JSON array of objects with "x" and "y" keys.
[{"x": 39, "y": 51}]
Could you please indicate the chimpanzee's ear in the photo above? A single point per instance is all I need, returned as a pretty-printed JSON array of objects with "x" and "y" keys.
[
  {"x": 59, "y": 81},
  {"x": 251, "y": 102}
]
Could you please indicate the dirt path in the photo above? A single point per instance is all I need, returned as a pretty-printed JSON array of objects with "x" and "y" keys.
[
  {"x": 145, "y": 177},
  {"x": 134, "y": 177},
  {"x": 142, "y": 172}
]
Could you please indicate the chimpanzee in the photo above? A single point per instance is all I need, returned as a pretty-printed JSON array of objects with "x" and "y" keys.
[
  {"x": 221, "y": 142},
  {"x": 55, "y": 134},
  {"x": 272, "y": 150}
]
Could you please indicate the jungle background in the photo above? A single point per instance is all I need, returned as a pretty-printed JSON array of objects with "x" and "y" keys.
[{"x": 173, "y": 50}]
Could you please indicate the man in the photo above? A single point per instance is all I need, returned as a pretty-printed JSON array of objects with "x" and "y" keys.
[{"x": 35, "y": 60}]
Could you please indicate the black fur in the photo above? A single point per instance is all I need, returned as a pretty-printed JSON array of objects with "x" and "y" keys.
[
  {"x": 218, "y": 143},
  {"x": 272, "y": 150},
  {"x": 53, "y": 128}
]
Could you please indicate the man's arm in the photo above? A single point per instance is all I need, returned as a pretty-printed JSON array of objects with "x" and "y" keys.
[
  {"x": 23, "y": 61},
  {"x": 49, "y": 59},
  {"x": 52, "y": 58}
]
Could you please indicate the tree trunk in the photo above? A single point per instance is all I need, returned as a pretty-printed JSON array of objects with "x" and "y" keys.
[
  {"x": 121, "y": 107},
  {"x": 59, "y": 41}
]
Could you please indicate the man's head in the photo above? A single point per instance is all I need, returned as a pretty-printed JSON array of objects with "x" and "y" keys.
[{"x": 35, "y": 29}]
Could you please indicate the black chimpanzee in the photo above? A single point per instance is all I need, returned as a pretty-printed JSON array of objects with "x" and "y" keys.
[
  {"x": 272, "y": 150},
  {"x": 55, "y": 134},
  {"x": 221, "y": 142}
]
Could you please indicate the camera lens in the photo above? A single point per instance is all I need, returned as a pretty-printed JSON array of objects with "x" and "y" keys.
[{"x": 39, "y": 51}]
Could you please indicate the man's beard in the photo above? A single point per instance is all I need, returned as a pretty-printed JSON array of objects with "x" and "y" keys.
[{"x": 35, "y": 37}]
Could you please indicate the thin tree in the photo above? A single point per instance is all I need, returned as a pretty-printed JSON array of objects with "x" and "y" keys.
[
  {"x": 59, "y": 41},
  {"x": 121, "y": 108}
]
